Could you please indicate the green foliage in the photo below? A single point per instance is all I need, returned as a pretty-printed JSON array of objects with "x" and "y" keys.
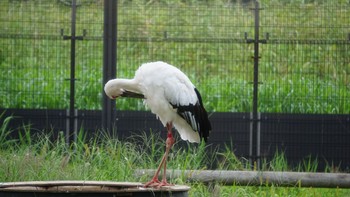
[
  {"x": 5, "y": 132},
  {"x": 308, "y": 165},
  {"x": 104, "y": 158},
  {"x": 227, "y": 160},
  {"x": 278, "y": 162},
  {"x": 304, "y": 67}
]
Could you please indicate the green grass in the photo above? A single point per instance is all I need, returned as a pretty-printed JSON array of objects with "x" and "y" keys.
[
  {"x": 308, "y": 76},
  {"x": 103, "y": 157}
]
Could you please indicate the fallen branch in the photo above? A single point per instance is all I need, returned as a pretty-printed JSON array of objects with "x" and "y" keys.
[{"x": 259, "y": 178}]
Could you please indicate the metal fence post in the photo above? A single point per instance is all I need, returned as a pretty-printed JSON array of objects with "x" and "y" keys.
[
  {"x": 254, "y": 139},
  {"x": 109, "y": 60},
  {"x": 71, "y": 118}
]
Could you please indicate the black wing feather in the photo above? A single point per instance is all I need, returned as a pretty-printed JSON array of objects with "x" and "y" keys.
[{"x": 196, "y": 116}]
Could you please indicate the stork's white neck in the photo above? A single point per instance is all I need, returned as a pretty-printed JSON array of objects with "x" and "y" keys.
[{"x": 126, "y": 84}]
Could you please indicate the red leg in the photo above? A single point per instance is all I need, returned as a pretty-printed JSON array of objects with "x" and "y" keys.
[
  {"x": 154, "y": 181},
  {"x": 169, "y": 143}
]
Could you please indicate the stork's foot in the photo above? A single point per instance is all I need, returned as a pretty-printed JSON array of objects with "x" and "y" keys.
[
  {"x": 152, "y": 183},
  {"x": 165, "y": 183},
  {"x": 169, "y": 143},
  {"x": 156, "y": 183}
]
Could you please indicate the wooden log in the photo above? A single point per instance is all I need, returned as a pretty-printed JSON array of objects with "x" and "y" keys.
[{"x": 260, "y": 178}]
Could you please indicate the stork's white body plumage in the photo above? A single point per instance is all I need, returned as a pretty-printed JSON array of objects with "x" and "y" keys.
[
  {"x": 167, "y": 85},
  {"x": 170, "y": 95}
]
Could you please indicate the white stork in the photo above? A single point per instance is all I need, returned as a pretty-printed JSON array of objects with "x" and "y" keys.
[{"x": 170, "y": 95}]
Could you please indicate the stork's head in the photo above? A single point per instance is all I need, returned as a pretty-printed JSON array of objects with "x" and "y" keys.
[{"x": 113, "y": 89}]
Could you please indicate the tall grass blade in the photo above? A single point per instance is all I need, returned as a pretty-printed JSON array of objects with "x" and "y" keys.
[{"x": 5, "y": 132}]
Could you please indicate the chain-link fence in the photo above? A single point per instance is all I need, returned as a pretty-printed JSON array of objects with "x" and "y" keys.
[
  {"x": 36, "y": 54},
  {"x": 303, "y": 67}
]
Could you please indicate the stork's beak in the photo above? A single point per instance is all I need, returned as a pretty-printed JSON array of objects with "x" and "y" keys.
[
  {"x": 113, "y": 97},
  {"x": 127, "y": 93}
]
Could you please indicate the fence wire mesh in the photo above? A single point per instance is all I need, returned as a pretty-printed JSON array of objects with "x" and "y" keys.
[
  {"x": 35, "y": 54},
  {"x": 205, "y": 41},
  {"x": 304, "y": 64}
]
